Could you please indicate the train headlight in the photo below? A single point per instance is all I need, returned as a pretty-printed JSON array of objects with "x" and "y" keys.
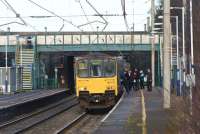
[{"x": 83, "y": 89}]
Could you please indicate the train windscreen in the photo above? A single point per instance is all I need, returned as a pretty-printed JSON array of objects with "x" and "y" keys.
[
  {"x": 109, "y": 68},
  {"x": 83, "y": 68},
  {"x": 96, "y": 68}
]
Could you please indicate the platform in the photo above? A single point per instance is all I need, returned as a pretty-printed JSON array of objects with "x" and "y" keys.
[
  {"x": 133, "y": 115},
  {"x": 17, "y": 104}
]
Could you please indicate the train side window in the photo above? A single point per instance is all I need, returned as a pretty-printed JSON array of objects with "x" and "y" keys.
[
  {"x": 109, "y": 68},
  {"x": 83, "y": 69}
]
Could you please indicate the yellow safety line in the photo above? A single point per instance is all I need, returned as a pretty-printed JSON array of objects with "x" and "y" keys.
[{"x": 144, "y": 116}]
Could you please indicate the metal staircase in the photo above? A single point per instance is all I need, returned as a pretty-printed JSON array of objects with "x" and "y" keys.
[{"x": 24, "y": 62}]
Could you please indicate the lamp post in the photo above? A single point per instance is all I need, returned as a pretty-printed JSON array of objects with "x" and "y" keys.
[
  {"x": 191, "y": 34},
  {"x": 45, "y": 38},
  {"x": 166, "y": 58},
  {"x": 192, "y": 55},
  {"x": 6, "y": 60},
  {"x": 152, "y": 42},
  {"x": 97, "y": 35}
]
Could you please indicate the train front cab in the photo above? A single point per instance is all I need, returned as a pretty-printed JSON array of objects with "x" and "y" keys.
[{"x": 96, "y": 83}]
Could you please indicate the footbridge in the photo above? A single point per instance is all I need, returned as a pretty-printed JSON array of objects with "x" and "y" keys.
[
  {"x": 80, "y": 41},
  {"x": 41, "y": 57}
]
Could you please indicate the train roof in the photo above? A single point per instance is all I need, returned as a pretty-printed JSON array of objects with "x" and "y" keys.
[{"x": 95, "y": 55}]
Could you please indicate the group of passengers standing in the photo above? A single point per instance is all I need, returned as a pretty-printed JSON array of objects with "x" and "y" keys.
[{"x": 135, "y": 80}]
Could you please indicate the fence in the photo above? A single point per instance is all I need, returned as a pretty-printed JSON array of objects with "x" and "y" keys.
[{"x": 11, "y": 72}]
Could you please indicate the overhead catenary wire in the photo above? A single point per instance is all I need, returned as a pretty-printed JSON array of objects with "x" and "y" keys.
[
  {"x": 123, "y": 4},
  {"x": 91, "y": 23},
  {"x": 5, "y": 4},
  {"x": 86, "y": 16},
  {"x": 63, "y": 25},
  {"x": 13, "y": 22},
  {"x": 67, "y": 17},
  {"x": 106, "y": 22},
  {"x": 71, "y": 16},
  {"x": 17, "y": 15},
  {"x": 55, "y": 14},
  {"x": 13, "y": 10}
]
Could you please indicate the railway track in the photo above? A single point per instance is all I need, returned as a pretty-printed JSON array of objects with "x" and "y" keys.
[
  {"x": 71, "y": 124},
  {"x": 84, "y": 123},
  {"x": 26, "y": 122}
]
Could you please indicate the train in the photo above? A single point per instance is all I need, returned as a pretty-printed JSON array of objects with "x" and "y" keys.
[{"x": 97, "y": 80}]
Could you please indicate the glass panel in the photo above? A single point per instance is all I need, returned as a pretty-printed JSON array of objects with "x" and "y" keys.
[
  {"x": 40, "y": 39},
  {"x": 67, "y": 39},
  {"x": 119, "y": 39},
  {"x": 50, "y": 40},
  {"x": 161, "y": 39},
  {"x": 93, "y": 39},
  {"x": 145, "y": 39},
  {"x": 96, "y": 68},
  {"x": 3, "y": 75},
  {"x": 85, "y": 39},
  {"x": 127, "y": 39},
  {"x": 156, "y": 39},
  {"x": 12, "y": 40},
  {"x": 3, "y": 40},
  {"x": 83, "y": 68},
  {"x": 109, "y": 68},
  {"x": 58, "y": 39},
  {"x": 137, "y": 39},
  {"x": 110, "y": 39},
  {"x": 22, "y": 40},
  {"x": 76, "y": 39},
  {"x": 102, "y": 39}
]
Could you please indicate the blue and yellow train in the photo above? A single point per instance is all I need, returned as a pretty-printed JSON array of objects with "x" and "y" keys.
[{"x": 97, "y": 78}]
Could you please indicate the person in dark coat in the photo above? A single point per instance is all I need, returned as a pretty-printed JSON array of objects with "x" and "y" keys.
[
  {"x": 136, "y": 79},
  {"x": 141, "y": 79},
  {"x": 149, "y": 80},
  {"x": 128, "y": 81},
  {"x": 122, "y": 78}
]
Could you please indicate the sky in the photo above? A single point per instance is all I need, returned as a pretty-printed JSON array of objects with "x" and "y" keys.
[{"x": 73, "y": 15}]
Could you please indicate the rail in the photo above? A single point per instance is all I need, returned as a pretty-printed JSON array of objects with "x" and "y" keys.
[
  {"x": 38, "y": 117},
  {"x": 71, "y": 124}
]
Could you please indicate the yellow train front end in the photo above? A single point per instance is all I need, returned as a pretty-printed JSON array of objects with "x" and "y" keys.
[{"x": 96, "y": 82}]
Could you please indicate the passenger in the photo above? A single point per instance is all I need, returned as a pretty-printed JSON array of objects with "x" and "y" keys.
[
  {"x": 46, "y": 81},
  {"x": 136, "y": 78},
  {"x": 149, "y": 80},
  {"x": 128, "y": 81},
  {"x": 122, "y": 78},
  {"x": 62, "y": 81},
  {"x": 141, "y": 79}
]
